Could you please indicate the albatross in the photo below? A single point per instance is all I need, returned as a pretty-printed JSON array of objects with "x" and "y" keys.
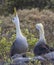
[
  {"x": 20, "y": 45},
  {"x": 41, "y": 46}
]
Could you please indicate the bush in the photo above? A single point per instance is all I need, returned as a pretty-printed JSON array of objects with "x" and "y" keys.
[
  {"x": 28, "y": 20},
  {"x": 4, "y": 48},
  {"x": 21, "y": 4},
  {"x": 9, "y": 5},
  {"x": 6, "y": 42}
]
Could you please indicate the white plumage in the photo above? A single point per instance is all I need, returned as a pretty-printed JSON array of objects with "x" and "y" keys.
[{"x": 20, "y": 45}]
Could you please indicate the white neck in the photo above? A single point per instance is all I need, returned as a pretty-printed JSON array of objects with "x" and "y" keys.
[
  {"x": 18, "y": 31},
  {"x": 42, "y": 36}
]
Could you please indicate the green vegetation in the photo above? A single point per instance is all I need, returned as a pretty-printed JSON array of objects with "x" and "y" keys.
[
  {"x": 6, "y": 42},
  {"x": 30, "y": 12},
  {"x": 8, "y": 5},
  {"x": 4, "y": 48},
  {"x": 28, "y": 19},
  {"x": 5, "y": 45}
]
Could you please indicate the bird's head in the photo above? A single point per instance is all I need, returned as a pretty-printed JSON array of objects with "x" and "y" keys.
[
  {"x": 15, "y": 18},
  {"x": 39, "y": 26}
]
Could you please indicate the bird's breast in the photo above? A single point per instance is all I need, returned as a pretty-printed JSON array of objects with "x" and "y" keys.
[{"x": 21, "y": 45}]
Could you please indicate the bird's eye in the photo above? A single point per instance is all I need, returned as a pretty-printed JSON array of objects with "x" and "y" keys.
[{"x": 13, "y": 18}]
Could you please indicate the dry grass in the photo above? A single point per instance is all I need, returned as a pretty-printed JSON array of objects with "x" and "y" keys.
[{"x": 28, "y": 19}]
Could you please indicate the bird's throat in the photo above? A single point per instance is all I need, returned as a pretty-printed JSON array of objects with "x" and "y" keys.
[
  {"x": 18, "y": 31},
  {"x": 41, "y": 35}
]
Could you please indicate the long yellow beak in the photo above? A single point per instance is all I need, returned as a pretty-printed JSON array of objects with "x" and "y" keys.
[{"x": 15, "y": 12}]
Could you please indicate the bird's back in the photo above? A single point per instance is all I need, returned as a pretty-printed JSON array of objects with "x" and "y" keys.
[{"x": 41, "y": 48}]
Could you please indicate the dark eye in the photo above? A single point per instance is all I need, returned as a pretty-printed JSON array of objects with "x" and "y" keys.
[{"x": 13, "y": 18}]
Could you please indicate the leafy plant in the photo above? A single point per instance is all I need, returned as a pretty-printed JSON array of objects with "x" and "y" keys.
[
  {"x": 4, "y": 47},
  {"x": 30, "y": 38}
]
